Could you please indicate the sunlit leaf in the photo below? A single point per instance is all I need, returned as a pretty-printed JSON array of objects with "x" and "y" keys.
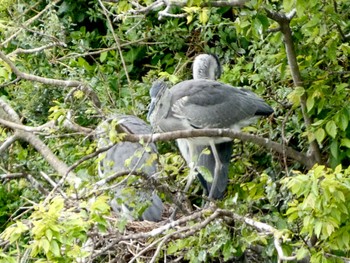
[
  {"x": 320, "y": 134},
  {"x": 331, "y": 128}
]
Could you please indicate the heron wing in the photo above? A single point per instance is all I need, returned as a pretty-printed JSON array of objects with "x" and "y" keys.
[{"x": 211, "y": 104}]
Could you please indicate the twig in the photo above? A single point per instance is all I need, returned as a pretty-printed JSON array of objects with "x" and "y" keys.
[
  {"x": 16, "y": 126},
  {"x": 53, "y": 184},
  {"x": 38, "y": 144},
  {"x": 29, "y": 177},
  {"x": 52, "y": 82},
  {"x": 48, "y": 81},
  {"x": 7, "y": 143},
  {"x": 116, "y": 39},
  {"x": 29, "y": 21},
  {"x": 284, "y": 22},
  {"x": 10, "y": 82},
  {"x": 35, "y": 50}
]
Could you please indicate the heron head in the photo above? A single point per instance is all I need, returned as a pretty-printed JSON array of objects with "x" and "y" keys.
[
  {"x": 157, "y": 91},
  {"x": 206, "y": 66}
]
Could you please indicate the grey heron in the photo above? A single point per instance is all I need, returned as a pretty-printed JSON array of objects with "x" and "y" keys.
[
  {"x": 127, "y": 156},
  {"x": 200, "y": 104},
  {"x": 207, "y": 66}
]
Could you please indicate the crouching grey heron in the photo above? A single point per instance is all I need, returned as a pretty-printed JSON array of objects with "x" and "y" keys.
[
  {"x": 128, "y": 156},
  {"x": 200, "y": 104}
]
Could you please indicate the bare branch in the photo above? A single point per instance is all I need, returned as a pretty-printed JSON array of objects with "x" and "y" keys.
[
  {"x": 179, "y": 3},
  {"x": 10, "y": 82},
  {"x": 16, "y": 126},
  {"x": 67, "y": 123},
  {"x": 29, "y": 177},
  {"x": 48, "y": 81},
  {"x": 52, "y": 182},
  {"x": 7, "y": 143},
  {"x": 41, "y": 147},
  {"x": 36, "y": 50}
]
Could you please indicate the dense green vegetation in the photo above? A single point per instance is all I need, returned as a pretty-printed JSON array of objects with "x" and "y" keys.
[{"x": 67, "y": 65}]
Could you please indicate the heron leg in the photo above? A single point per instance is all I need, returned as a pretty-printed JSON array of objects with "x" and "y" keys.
[
  {"x": 189, "y": 154},
  {"x": 218, "y": 167}
]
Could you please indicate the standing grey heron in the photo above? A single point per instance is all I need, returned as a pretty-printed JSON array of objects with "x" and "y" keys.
[
  {"x": 129, "y": 156},
  {"x": 207, "y": 66},
  {"x": 200, "y": 104}
]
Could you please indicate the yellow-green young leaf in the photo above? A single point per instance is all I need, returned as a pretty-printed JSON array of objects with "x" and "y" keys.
[
  {"x": 48, "y": 234},
  {"x": 343, "y": 121},
  {"x": 123, "y": 6},
  {"x": 55, "y": 249},
  {"x": 301, "y": 6},
  {"x": 204, "y": 16},
  {"x": 79, "y": 94},
  {"x": 346, "y": 238},
  {"x": 310, "y": 102},
  {"x": 189, "y": 18},
  {"x": 103, "y": 56},
  {"x": 338, "y": 169},
  {"x": 205, "y": 173},
  {"x": 318, "y": 228},
  {"x": 288, "y": 5},
  {"x": 45, "y": 244},
  {"x": 331, "y": 128},
  {"x": 345, "y": 142},
  {"x": 329, "y": 229},
  {"x": 302, "y": 253},
  {"x": 294, "y": 96},
  {"x": 320, "y": 134}
]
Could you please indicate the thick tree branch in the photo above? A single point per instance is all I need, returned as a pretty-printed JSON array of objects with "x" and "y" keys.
[
  {"x": 179, "y": 3},
  {"x": 266, "y": 143},
  {"x": 284, "y": 22}
]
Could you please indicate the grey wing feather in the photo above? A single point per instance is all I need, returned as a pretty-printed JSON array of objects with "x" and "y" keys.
[{"x": 211, "y": 104}]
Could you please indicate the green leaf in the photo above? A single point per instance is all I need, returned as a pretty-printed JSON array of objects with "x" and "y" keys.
[
  {"x": 318, "y": 228},
  {"x": 331, "y": 128},
  {"x": 343, "y": 121},
  {"x": 334, "y": 149},
  {"x": 204, "y": 16},
  {"x": 103, "y": 56},
  {"x": 55, "y": 249},
  {"x": 345, "y": 142},
  {"x": 320, "y": 134},
  {"x": 310, "y": 102},
  {"x": 45, "y": 245},
  {"x": 288, "y": 5},
  {"x": 301, "y": 6},
  {"x": 302, "y": 253}
]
